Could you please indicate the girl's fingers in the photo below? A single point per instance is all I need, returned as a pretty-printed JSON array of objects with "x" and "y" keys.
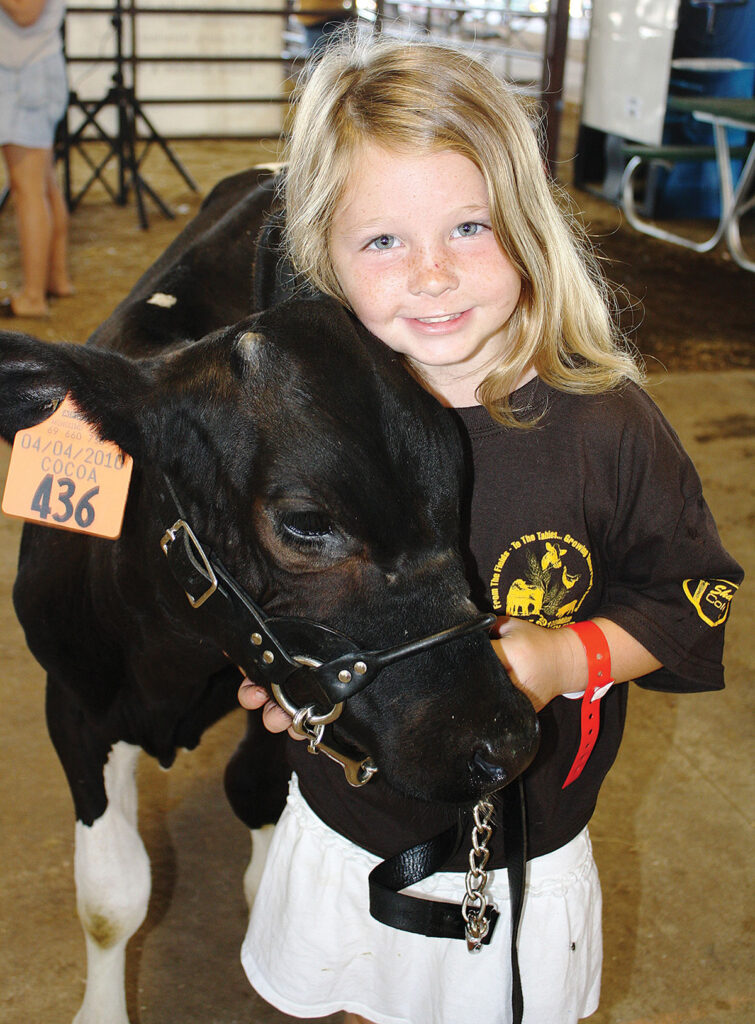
[
  {"x": 274, "y": 718},
  {"x": 252, "y": 696}
]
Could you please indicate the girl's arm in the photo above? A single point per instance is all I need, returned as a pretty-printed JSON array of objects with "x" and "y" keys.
[
  {"x": 23, "y": 12},
  {"x": 545, "y": 663}
]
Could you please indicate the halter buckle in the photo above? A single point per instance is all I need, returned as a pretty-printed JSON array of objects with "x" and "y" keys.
[{"x": 201, "y": 564}]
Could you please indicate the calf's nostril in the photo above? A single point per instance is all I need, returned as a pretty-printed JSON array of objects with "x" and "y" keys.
[{"x": 496, "y": 773}]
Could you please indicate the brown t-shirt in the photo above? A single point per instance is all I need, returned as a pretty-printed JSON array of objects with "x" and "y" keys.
[{"x": 597, "y": 510}]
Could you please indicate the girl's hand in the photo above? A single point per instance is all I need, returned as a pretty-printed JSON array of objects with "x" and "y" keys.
[
  {"x": 274, "y": 718},
  {"x": 542, "y": 663}
]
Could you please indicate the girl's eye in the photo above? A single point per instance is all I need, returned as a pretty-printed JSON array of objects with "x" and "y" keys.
[
  {"x": 308, "y": 526},
  {"x": 467, "y": 229},
  {"x": 383, "y": 242}
]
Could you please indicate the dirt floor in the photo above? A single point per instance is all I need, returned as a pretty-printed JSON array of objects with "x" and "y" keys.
[{"x": 672, "y": 833}]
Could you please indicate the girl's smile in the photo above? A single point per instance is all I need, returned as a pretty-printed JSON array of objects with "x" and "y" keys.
[{"x": 415, "y": 254}]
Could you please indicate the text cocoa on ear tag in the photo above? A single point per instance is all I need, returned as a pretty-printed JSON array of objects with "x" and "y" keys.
[{"x": 61, "y": 474}]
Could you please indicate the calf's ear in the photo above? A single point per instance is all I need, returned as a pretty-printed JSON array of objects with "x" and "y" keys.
[{"x": 35, "y": 376}]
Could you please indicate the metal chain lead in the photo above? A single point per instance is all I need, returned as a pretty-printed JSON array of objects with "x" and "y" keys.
[{"x": 474, "y": 905}]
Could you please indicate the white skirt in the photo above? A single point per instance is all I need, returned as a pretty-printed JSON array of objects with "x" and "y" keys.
[{"x": 312, "y": 948}]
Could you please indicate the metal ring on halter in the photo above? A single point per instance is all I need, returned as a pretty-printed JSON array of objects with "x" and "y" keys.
[{"x": 312, "y": 719}]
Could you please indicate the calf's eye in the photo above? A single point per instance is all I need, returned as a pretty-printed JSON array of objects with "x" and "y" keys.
[{"x": 308, "y": 526}]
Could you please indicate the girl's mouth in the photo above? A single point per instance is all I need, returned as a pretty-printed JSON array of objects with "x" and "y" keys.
[
  {"x": 438, "y": 319},
  {"x": 443, "y": 323}
]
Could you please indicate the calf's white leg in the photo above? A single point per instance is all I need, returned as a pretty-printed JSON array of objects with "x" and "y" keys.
[{"x": 113, "y": 882}]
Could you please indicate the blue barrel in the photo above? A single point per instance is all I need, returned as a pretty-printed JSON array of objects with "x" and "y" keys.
[{"x": 712, "y": 29}]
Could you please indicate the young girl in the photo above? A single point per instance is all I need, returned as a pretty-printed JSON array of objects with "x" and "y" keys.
[{"x": 416, "y": 196}]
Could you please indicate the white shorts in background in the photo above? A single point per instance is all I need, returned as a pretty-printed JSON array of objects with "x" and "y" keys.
[
  {"x": 32, "y": 101},
  {"x": 312, "y": 948}
]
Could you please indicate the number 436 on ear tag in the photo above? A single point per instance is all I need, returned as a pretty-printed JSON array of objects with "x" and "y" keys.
[{"x": 61, "y": 474}]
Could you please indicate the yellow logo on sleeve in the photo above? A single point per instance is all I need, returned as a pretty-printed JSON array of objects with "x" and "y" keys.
[{"x": 711, "y": 599}]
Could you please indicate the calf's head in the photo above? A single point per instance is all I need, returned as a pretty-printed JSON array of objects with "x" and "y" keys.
[{"x": 327, "y": 483}]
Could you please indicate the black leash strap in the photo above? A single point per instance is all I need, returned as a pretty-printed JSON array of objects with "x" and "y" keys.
[
  {"x": 437, "y": 919},
  {"x": 412, "y": 913},
  {"x": 515, "y": 840}
]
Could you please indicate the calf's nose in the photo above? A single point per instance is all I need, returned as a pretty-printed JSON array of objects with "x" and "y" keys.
[
  {"x": 496, "y": 775},
  {"x": 496, "y": 763}
]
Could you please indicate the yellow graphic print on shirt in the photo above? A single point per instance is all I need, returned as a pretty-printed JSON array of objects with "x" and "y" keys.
[
  {"x": 543, "y": 577},
  {"x": 711, "y": 599}
]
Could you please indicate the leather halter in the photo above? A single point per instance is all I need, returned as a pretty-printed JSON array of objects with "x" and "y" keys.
[{"x": 280, "y": 653}]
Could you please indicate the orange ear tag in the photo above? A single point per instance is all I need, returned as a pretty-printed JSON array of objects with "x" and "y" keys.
[{"x": 61, "y": 474}]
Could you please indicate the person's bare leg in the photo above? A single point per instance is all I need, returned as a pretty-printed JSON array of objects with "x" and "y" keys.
[
  {"x": 27, "y": 177},
  {"x": 58, "y": 279}
]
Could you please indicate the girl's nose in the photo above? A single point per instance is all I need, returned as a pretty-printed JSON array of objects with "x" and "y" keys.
[{"x": 432, "y": 273}]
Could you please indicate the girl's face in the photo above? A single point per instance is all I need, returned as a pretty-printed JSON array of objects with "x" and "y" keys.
[{"x": 415, "y": 254}]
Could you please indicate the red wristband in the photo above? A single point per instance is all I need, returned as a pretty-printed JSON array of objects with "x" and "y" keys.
[{"x": 599, "y": 682}]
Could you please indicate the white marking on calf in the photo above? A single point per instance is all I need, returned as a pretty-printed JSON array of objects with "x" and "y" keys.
[
  {"x": 112, "y": 874},
  {"x": 163, "y": 300}
]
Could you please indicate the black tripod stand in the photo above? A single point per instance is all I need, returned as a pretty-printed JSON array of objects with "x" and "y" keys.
[{"x": 132, "y": 126}]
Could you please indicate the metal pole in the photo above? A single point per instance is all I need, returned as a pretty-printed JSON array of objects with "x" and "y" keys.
[{"x": 552, "y": 85}]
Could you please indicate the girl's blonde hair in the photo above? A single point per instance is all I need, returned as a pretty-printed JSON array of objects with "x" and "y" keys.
[{"x": 424, "y": 96}]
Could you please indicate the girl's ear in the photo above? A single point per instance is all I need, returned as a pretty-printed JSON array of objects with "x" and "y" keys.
[{"x": 35, "y": 377}]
